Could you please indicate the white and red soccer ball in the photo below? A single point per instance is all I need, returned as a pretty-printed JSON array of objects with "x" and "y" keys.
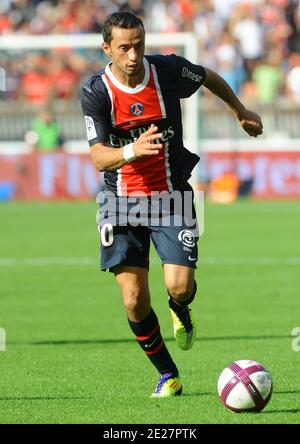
[{"x": 245, "y": 386}]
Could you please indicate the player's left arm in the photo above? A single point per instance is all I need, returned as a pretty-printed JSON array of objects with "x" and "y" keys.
[{"x": 249, "y": 120}]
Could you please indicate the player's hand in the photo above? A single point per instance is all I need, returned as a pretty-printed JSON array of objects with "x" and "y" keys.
[
  {"x": 251, "y": 123},
  {"x": 148, "y": 143}
]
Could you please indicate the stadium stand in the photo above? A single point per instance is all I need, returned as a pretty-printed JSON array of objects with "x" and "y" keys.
[
  {"x": 246, "y": 63},
  {"x": 254, "y": 45}
]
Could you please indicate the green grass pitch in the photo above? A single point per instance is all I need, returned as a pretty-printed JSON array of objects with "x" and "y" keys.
[{"x": 70, "y": 356}]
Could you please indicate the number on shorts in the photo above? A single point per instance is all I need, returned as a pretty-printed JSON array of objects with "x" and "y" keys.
[{"x": 107, "y": 235}]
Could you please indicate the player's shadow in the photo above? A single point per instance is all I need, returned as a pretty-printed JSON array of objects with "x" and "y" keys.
[
  {"x": 286, "y": 392},
  {"x": 283, "y": 392},
  {"x": 242, "y": 338},
  {"x": 84, "y": 341},
  {"x": 198, "y": 394},
  {"x": 132, "y": 340}
]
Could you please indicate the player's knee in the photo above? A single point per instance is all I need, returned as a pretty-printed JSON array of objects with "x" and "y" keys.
[
  {"x": 136, "y": 303},
  {"x": 180, "y": 290}
]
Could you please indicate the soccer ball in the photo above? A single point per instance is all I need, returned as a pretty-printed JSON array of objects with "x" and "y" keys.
[{"x": 245, "y": 386}]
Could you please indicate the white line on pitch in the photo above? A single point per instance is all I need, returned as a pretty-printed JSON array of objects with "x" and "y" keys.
[
  {"x": 45, "y": 261},
  {"x": 92, "y": 261}
]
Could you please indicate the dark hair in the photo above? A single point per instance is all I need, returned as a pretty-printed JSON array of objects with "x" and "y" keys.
[{"x": 125, "y": 20}]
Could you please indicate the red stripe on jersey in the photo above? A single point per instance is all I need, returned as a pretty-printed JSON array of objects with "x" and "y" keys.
[
  {"x": 133, "y": 108},
  {"x": 144, "y": 176}
]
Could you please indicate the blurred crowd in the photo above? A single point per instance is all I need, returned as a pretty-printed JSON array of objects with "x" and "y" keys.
[{"x": 254, "y": 44}]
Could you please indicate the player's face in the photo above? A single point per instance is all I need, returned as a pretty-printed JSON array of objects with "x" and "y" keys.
[{"x": 126, "y": 50}]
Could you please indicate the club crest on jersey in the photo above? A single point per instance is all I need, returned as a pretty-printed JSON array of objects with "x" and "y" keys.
[{"x": 136, "y": 109}]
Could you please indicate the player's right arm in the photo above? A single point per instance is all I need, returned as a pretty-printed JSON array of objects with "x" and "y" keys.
[{"x": 106, "y": 158}]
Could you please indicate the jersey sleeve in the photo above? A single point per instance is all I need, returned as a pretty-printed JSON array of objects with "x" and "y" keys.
[
  {"x": 189, "y": 76},
  {"x": 96, "y": 114}
]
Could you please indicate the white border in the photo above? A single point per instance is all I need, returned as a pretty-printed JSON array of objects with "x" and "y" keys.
[
  {"x": 167, "y": 164},
  {"x": 119, "y": 182},
  {"x": 205, "y": 146},
  {"x": 160, "y": 97},
  {"x": 281, "y": 145}
]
